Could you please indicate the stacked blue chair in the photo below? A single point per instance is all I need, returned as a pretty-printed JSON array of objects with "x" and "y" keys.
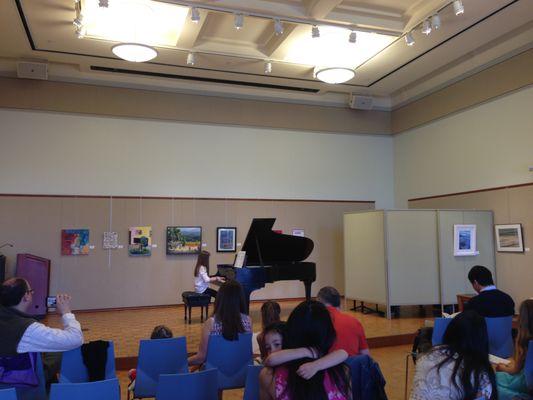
[
  {"x": 441, "y": 324},
  {"x": 200, "y": 385},
  {"x": 156, "y": 357},
  {"x": 32, "y": 393},
  {"x": 102, "y": 390},
  {"x": 73, "y": 370},
  {"x": 8, "y": 394},
  {"x": 500, "y": 336},
  {"x": 528, "y": 367},
  {"x": 251, "y": 386},
  {"x": 230, "y": 358}
]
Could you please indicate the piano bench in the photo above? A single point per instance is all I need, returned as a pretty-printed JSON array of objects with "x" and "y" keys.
[{"x": 193, "y": 299}]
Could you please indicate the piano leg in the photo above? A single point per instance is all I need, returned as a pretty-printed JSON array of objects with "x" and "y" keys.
[
  {"x": 247, "y": 293},
  {"x": 307, "y": 285}
]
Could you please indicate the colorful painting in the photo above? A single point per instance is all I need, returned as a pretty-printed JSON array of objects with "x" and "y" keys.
[
  {"x": 74, "y": 242},
  {"x": 184, "y": 239},
  {"x": 140, "y": 243},
  {"x": 509, "y": 238},
  {"x": 464, "y": 240},
  {"x": 226, "y": 239},
  {"x": 110, "y": 240}
]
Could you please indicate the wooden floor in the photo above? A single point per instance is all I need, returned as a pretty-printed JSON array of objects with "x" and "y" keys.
[{"x": 126, "y": 327}]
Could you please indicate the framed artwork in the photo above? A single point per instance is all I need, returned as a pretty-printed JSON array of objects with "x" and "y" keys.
[
  {"x": 226, "y": 239},
  {"x": 509, "y": 238},
  {"x": 298, "y": 232},
  {"x": 184, "y": 239},
  {"x": 74, "y": 242},
  {"x": 464, "y": 240},
  {"x": 110, "y": 240},
  {"x": 140, "y": 241}
]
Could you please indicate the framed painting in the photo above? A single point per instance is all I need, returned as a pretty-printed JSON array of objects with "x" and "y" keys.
[
  {"x": 226, "y": 239},
  {"x": 74, "y": 242},
  {"x": 140, "y": 241},
  {"x": 464, "y": 240},
  {"x": 184, "y": 240},
  {"x": 509, "y": 238}
]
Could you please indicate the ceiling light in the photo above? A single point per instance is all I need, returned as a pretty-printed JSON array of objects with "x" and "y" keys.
[
  {"x": 353, "y": 37},
  {"x": 278, "y": 26},
  {"x": 409, "y": 39},
  {"x": 426, "y": 27},
  {"x": 334, "y": 75},
  {"x": 458, "y": 7},
  {"x": 77, "y": 22},
  {"x": 435, "y": 22},
  {"x": 239, "y": 21},
  {"x": 134, "y": 52},
  {"x": 268, "y": 67},
  {"x": 195, "y": 15},
  {"x": 315, "y": 32},
  {"x": 191, "y": 59},
  {"x": 80, "y": 34}
]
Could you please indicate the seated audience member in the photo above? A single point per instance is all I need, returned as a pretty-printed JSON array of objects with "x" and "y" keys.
[
  {"x": 273, "y": 338},
  {"x": 511, "y": 379},
  {"x": 490, "y": 302},
  {"x": 270, "y": 312},
  {"x": 228, "y": 319},
  {"x": 309, "y": 331},
  {"x": 350, "y": 332},
  {"x": 20, "y": 333},
  {"x": 459, "y": 369}
]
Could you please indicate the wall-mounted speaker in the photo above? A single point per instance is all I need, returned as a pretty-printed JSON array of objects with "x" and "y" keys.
[
  {"x": 361, "y": 102},
  {"x": 32, "y": 70}
]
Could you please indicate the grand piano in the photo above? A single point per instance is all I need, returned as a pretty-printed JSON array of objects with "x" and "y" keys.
[{"x": 271, "y": 257}]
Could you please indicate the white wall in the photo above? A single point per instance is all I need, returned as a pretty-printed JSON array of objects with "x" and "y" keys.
[
  {"x": 489, "y": 145},
  {"x": 52, "y": 153}
]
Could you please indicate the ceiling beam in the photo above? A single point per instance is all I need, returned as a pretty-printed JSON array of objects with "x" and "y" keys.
[
  {"x": 320, "y": 8},
  {"x": 191, "y": 30}
]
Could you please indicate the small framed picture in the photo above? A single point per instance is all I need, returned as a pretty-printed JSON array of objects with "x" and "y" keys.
[
  {"x": 464, "y": 240},
  {"x": 226, "y": 239},
  {"x": 509, "y": 238}
]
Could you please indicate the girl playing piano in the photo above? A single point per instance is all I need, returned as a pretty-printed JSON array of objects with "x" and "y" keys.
[{"x": 201, "y": 275}]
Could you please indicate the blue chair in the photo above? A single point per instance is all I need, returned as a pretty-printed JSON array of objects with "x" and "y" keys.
[
  {"x": 104, "y": 390},
  {"x": 32, "y": 393},
  {"x": 441, "y": 324},
  {"x": 156, "y": 357},
  {"x": 231, "y": 358},
  {"x": 73, "y": 370},
  {"x": 528, "y": 367},
  {"x": 200, "y": 385},
  {"x": 499, "y": 331},
  {"x": 251, "y": 386},
  {"x": 8, "y": 394}
]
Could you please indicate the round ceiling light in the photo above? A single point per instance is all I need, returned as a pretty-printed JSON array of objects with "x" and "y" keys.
[
  {"x": 134, "y": 52},
  {"x": 334, "y": 74}
]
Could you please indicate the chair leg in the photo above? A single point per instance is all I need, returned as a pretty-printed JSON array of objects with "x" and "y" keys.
[
  {"x": 202, "y": 314},
  {"x": 206, "y": 311},
  {"x": 185, "y": 312},
  {"x": 190, "y": 314}
]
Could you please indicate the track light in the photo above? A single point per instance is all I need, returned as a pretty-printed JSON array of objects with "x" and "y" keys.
[
  {"x": 315, "y": 32},
  {"x": 278, "y": 26},
  {"x": 103, "y": 3},
  {"x": 409, "y": 39},
  {"x": 79, "y": 33},
  {"x": 195, "y": 15},
  {"x": 77, "y": 22},
  {"x": 353, "y": 37},
  {"x": 458, "y": 7},
  {"x": 435, "y": 22},
  {"x": 268, "y": 67},
  {"x": 239, "y": 21},
  {"x": 191, "y": 59},
  {"x": 426, "y": 27}
]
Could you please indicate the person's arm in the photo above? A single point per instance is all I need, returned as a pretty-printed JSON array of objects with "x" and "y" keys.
[
  {"x": 267, "y": 386},
  {"x": 200, "y": 356},
  {"x": 308, "y": 370},
  {"x": 206, "y": 278},
  {"x": 511, "y": 368},
  {"x": 283, "y": 356}
]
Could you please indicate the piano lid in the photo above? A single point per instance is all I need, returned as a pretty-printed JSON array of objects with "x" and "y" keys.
[{"x": 262, "y": 244}]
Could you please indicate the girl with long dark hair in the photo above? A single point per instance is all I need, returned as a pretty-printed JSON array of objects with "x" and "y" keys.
[
  {"x": 229, "y": 319},
  {"x": 459, "y": 369},
  {"x": 201, "y": 275},
  {"x": 308, "y": 330},
  {"x": 511, "y": 379}
]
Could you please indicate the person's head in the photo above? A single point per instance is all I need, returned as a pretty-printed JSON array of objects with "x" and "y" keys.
[
  {"x": 467, "y": 345},
  {"x": 329, "y": 296},
  {"x": 270, "y": 312},
  {"x": 161, "y": 332},
  {"x": 525, "y": 331},
  {"x": 480, "y": 277},
  {"x": 16, "y": 293},
  {"x": 273, "y": 336},
  {"x": 203, "y": 259},
  {"x": 229, "y": 305}
]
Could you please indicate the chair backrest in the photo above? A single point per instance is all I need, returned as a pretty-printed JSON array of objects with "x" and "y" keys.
[
  {"x": 156, "y": 357},
  {"x": 231, "y": 358},
  {"x": 499, "y": 331},
  {"x": 441, "y": 324},
  {"x": 32, "y": 393},
  {"x": 528, "y": 367},
  {"x": 251, "y": 386},
  {"x": 105, "y": 390},
  {"x": 73, "y": 370},
  {"x": 8, "y": 394},
  {"x": 200, "y": 385}
]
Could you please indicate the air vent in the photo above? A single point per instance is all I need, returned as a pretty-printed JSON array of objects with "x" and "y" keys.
[{"x": 200, "y": 79}]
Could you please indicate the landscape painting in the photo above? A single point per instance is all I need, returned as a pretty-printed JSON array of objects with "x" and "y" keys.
[
  {"x": 140, "y": 241},
  {"x": 74, "y": 242},
  {"x": 184, "y": 239},
  {"x": 509, "y": 238}
]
